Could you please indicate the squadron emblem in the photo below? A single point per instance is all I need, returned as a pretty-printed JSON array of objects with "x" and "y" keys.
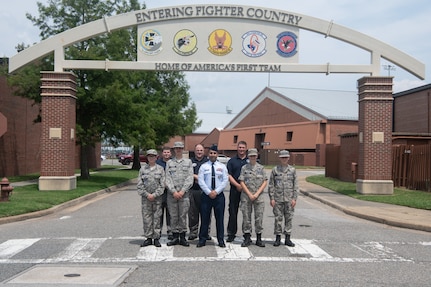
[
  {"x": 220, "y": 42},
  {"x": 286, "y": 44},
  {"x": 150, "y": 42},
  {"x": 254, "y": 44},
  {"x": 185, "y": 42}
]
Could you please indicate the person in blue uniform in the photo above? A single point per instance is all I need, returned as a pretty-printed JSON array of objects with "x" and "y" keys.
[{"x": 212, "y": 178}]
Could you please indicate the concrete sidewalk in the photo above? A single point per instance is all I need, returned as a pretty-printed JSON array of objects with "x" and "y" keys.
[{"x": 389, "y": 214}]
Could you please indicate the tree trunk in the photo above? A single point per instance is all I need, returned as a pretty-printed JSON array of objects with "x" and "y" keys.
[
  {"x": 136, "y": 162},
  {"x": 85, "y": 172}
]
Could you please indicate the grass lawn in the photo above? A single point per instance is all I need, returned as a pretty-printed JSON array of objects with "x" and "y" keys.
[
  {"x": 404, "y": 197},
  {"x": 25, "y": 199}
]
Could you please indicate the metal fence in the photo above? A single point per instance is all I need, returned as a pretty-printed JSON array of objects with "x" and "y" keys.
[{"x": 411, "y": 166}]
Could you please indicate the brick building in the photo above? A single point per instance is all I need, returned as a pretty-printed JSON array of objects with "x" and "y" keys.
[
  {"x": 411, "y": 125},
  {"x": 412, "y": 116},
  {"x": 303, "y": 121},
  {"x": 20, "y": 146}
]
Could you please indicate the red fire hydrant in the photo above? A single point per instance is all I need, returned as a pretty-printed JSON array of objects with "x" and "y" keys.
[{"x": 6, "y": 189}]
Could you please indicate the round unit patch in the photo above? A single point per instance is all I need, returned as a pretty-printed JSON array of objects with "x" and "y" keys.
[
  {"x": 220, "y": 42},
  {"x": 254, "y": 44},
  {"x": 150, "y": 42},
  {"x": 185, "y": 42},
  {"x": 286, "y": 44}
]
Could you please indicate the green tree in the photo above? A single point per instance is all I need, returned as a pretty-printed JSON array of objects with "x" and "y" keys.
[
  {"x": 161, "y": 109},
  {"x": 138, "y": 108}
]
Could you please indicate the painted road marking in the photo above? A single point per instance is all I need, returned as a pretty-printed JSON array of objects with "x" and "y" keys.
[
  {"x": 12, "y": 247},
  {"x": 82, "y": 250},
  {"x": 79, "y": 249}
]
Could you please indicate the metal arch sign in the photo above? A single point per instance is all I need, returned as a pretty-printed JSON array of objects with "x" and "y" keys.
[{"x": 223, "y": 37}]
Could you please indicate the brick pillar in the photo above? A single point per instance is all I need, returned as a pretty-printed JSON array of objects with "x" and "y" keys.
[
  {"x": 375, "y": 136},
  {"x": 58, "y": 93}
]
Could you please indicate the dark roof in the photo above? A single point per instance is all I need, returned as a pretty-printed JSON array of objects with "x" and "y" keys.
[{"x": 414, "y": 90}]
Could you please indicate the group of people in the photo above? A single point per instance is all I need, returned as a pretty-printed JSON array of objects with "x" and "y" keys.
[{"x": 174, "y": 189}]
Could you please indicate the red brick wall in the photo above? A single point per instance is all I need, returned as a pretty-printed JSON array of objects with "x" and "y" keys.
[
  {"x": 20, "y": 145},
  {"x": 375, "y": 115},
  {"x": 340, "y": 127},
  {"x": 349, "y": 153},
  {"x": 58, "y": 111},
  {"x": 412, "y": 113},
  {"x": 270, "y": 113}
]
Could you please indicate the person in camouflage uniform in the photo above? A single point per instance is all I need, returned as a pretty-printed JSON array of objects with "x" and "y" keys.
[
  {"x": 253, "y": 180},
  {"x": 151, "y": 184},
  {"x": 179, "y": 179},
  {"x": 283, "y": 192},
  {"x": 166, "y": 156}
]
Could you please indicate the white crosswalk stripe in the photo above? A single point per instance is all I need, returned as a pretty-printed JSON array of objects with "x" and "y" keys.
[
  {"x": 82, "y": 250},
  {"x": 303, "y": 246},
  {"x": 152, "y": 253},
  {"x": 14, "y": 246}
]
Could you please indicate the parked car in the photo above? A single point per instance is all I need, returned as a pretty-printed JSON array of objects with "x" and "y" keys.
[
  {"x": 126, "y": 159},
  {"x": 102, "y": 157},
  {"x": 223, "y": 158}
]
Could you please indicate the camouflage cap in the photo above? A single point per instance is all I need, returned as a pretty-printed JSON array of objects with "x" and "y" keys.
[
  {"x": 152, "y": 152},
  {"x": 284, "y": 153},
  {"x": 252, "y": 151},
  {"x": 178, "y": 145}
]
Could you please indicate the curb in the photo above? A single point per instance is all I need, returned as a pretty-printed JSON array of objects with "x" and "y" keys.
[
  {"x": 64, "y": 205},
  {"x": 366, "y": 216}
]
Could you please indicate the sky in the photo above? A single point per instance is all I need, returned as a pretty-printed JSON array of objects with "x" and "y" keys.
[{"x": 399, "y": 23}]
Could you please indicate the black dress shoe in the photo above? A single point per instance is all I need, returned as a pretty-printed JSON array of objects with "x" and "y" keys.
[
  {"x": 192, "y": 237},
  {"x": 230, "y": 238},
  {"x": 200, "y": 244},
  {"x": 222, "y": 245},
  {"x": 209, "y": 237}
]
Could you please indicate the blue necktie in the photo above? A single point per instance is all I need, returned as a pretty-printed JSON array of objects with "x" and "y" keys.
[{"x": 212, "y": 177}]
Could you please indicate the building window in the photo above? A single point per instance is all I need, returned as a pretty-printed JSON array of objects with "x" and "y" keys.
[
  {"x": 235, "y": 139},
  {"x": 289, "y": 136}
]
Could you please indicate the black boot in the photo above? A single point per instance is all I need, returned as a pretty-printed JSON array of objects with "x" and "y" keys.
[
  {"x": 259, "y": 241},
  {"x": 288, "y": 242},
  {"x": 183, "y": 240},
  {"x": 157, "y": 243},
  {"x": 277, "y": 241},
  {"x": 147, "y": 242},
  {"x": 170, "y": 236},
  {"x": 247, "y": 240},
  {"x": 175, "y": 239}
]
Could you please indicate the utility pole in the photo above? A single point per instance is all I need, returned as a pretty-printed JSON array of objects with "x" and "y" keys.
[{"x": 389, "y": 68}]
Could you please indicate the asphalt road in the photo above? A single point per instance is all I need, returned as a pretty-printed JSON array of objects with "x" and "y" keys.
[{"x": 332, "y": 249}]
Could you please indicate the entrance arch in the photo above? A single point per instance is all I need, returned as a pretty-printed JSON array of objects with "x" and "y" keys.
[{"x": 218, "y": 40}]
